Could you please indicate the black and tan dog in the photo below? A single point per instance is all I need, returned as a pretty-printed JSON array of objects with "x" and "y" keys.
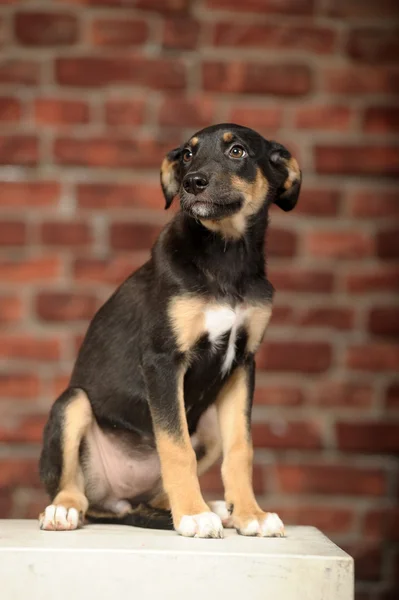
[{"x": 164, "y": 380}]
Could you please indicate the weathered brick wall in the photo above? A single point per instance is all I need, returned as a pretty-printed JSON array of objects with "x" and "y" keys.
[{"x": 92, "y": 94}]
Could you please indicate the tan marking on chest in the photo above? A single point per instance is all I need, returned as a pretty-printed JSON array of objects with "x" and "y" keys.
[
  {"x": 256, "y": 325},
  {"x": 188, "y": 320}
]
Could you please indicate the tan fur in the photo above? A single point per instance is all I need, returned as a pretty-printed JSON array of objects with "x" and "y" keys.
[
  {"x": 294, "y": 173},
  {"x": 254, "y": 196},
  {"x": 77, "y": 418},
  {"x": 228, "y": 136},
  {"x": 168, "y": 176},
  {"x": 193, "y": 142},
  {"x": 187, "y": 317},
  {"x": 179, "y": 466},
  {"x": 237, "y": 449},
  {"x": 256, "y": 326}
]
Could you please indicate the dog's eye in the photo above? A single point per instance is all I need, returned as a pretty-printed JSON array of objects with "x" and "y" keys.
[
  {"x": 187, "y": 155},
  {"x": 237, "y": 152}
]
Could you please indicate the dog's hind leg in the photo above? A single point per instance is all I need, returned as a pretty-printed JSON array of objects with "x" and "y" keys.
[{"x": 60, "y": 467}]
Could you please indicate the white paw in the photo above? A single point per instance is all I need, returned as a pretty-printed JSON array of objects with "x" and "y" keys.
[
  {"x": 58, "y": 518},
  {"x": 219, "y": 507},
  {"x": 270, "y": 526},
  {"x": 203, "y": 525}
]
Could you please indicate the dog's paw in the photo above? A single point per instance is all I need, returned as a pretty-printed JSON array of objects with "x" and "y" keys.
[
  {"x": 267, "y": 525},
  {"x": 203, "y": 525},
  {"x": 219, "y": 507},
  {"x": 59, "y": 518}
]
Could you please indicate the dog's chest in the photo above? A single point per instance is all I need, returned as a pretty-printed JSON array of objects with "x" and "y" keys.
[{"x": 223, "y": 322}]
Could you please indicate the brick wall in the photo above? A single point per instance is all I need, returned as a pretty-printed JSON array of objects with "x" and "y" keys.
[{"x": 92, "y": 94}]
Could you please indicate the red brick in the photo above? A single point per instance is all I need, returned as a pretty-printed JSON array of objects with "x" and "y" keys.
[
  {"x": 373, "y": 357},
  {"x": 53, "y": 111},
  {"x": 339, "y": 244},
  {"x": 282, "y": 435},
  {"x": 328, "y": 519},
  {"x": 259, "y": 118},
  {"x": 155, "y": 73},
  {"x": 65, "y": 306},
  {"x": 29, "y": 347},
  {"x": 392, "y": 396},
  {"x": 256, "y": 78},
  {"x": 112, "y": 270},
  {"x": 30, "y": 270},
  {"x": 361, "y": 8},
  {"x": 384, "y": 320},
  {"x": 302, "y": 280},
  {"x": 119, "y": 32},
  {"x": 325, "y": 316},
  {"x": 357, "y": 160},
  {"x": 133, "y": 236},
  {"x": 361, "y": 79},
  {"x": 278, "y": 395},
  {"x": 331, "y": 479},
  {"x": 10, "y": 109},
  {"x": 281, "y": 242},
  {"x": 282, "y": 315},
  {"x": 19, "y": 386},
  {"x": 11, "y": 309},
  {"x": 12, "y": 233},
  {"x": 46, "y": 29},
  {"x": 124, "y": 195},
  {"x": 290, "y": 7},
  {"x": 372, "y": 436},
  {"x": 28, "y": 194},
  {"x": 17, "y": 471},
  {"x": 374, "y": 204},
  {"x": 23, "y": 430},
  {"x": 162, "y": 6},
  {"x": 343, "y": 394},
  {"x": 65, "y": 233},
  {"x": 297, "y": 37},
  {"x": 19, "y": 149},
  {"x": 59, "y": 384},
  {"x": 318, "y": 202},
  {"x": 334, "y": 118},
  {"x": 20, "y": 72},
  {"x": 180, "y": 34},
  {"x": 387, "y": 242},
  {"x": 6, "y": 501},
  {"x": 373, "y": 45},
  {"x": 382, "y": 524},
  {"x": 306, "y": 357},
  {"x": 125, "y": 112},
  {"x": 180, "y": 112},
  {"x": 211, "y": 481},
  {"x": 378, "y": 279},
  {"x": 381, "y": 119},
  {"x": 110, "y": 152}
]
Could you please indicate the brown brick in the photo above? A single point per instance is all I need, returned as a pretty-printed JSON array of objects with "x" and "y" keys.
[
  {"x": 53, "y": 111},
  {"x": 327, "y": 316},
  {"x": 334, "y": 118},
  {"x": 30, "y": 270},
  {"x": 331, "y": 479},
  {"x": 180, "y": 112},
  {"x": 357, "y": 160},
  {"x": 384, "y": 320},
  {"x": 339, "y": 244},
  {"x": 113, "y": 270},
  {"x": 119, "y": 32},
  {"x": 65, "y": 233},
  {"x": 381, "y": 119},
  {"x": 11, "y": 309},
  {"x": 329, "y": 519},
  {"x": 260, "y": 118},
  {"x": 290, "y": 7},
  {"x": 372, "y": 436},
  {"x": 211, "y": 481},
  {"x": 20, "y": 72},
  {"x": 373, "y": 357},
  {"x": 28, "y": 194},
  {"x": 282, "y": 395},
  {"x": 155, "y": 73},
  {"x": 19, "y": 386},
  {"x": 343, "y": 394},
  {"x": 133, "y": 236},
  {"x": 45, "y": 28},
  {"x": 124, "y": 195},
  {"x": 302, "y": 280},
  {"x": 387, "y": 242},
  {"x": 10, "y": 109},
  {"x": 19, "y": 149},
  {"x": 14, "y": 471},
  {"x": 359, "y": 79},
  {"x": 392, "y": 396},
  {"x": 306, "y": 357},
  {"x": 283, "y": 435},
  {"x": 383, "y": 278},
  {"x": 281, "y": 242},
  {"x": 180, "y": 33},
  {"x": 28, "y": 347},
  {"x": 23, "y": 430},
  {"x": 12, "y": 233},
  {"x": 318, "y": 202},
  {"x": 125, "y": 112},
  {"x": 374, "y": 204},
  {"x": 361, "y": 8},
  {"x": 373, "y": 45},
  {"x": 256, "y": 78},
  {"x": 65, "y": 306}
]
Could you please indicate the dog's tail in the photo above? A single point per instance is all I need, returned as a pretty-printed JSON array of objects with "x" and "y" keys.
[{"x": 142, "y": 515}]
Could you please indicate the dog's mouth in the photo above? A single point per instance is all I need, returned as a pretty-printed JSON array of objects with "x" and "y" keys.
[{"x": 203, "y": 206}]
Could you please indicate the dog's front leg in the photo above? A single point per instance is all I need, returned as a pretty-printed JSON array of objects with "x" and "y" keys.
[
  {"x": 191, "y": 515},
  {"x": 234, "y": 408}
]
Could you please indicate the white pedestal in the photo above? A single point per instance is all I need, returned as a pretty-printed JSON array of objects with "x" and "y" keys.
[{"x": 104, "y": 562}]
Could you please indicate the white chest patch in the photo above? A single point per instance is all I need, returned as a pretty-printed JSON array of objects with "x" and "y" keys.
[{"x": 219, "y": 321}]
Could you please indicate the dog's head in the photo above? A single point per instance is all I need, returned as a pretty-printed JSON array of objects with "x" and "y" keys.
[{"x": 227, "y": 170}]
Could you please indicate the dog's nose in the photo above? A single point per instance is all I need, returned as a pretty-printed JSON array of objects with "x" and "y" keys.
[{"x": 195, "y": 183}]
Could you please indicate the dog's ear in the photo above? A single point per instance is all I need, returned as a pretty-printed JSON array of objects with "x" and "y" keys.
[
  {"x": 170, "y": 175},
  {"x": 290, "y": 177}
]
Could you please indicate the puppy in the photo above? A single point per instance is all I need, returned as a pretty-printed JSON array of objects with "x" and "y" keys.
[{"x": 164, "y": 381}]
